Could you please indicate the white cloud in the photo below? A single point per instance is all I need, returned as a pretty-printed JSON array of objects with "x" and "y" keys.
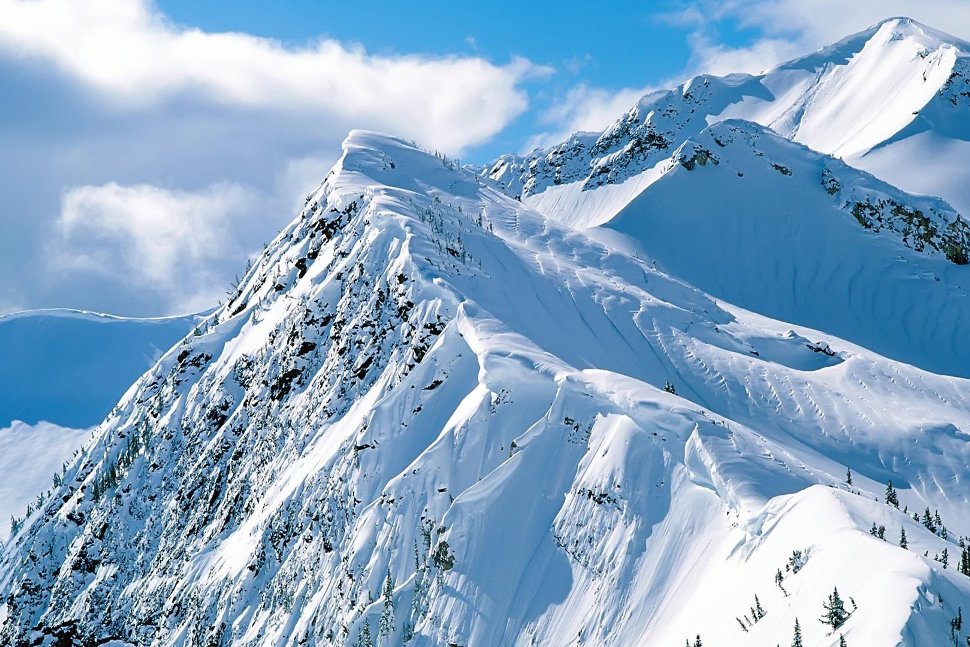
[
  {"x": 129, "y": 53},
  {"x": 172, "y": 242},
  {"x": 106, "y": 100}
]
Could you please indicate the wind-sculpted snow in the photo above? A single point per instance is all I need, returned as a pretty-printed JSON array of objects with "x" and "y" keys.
[{"x": 431, "y": 416}]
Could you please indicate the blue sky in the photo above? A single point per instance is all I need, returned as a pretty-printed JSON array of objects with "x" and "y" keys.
[{"x": 148, "y": 147}]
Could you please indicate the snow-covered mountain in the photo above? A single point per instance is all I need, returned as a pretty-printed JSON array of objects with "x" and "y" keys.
[
  {"x": 777, "y": 209},
  {"x": 434, "y": 414},
  {"x": 881, "y": 99}
]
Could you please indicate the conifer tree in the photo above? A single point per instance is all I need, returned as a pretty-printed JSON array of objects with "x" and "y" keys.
[
  {"x": 364, "y": 638},
  {"x": 757, "y": 611},
  {"x": 387, "y": 615},
  {"x": 697, "y": 643},
  {"x": 891, "y": 497},
  {"x": 835, "y": 614},
  {"x": 842, "y": 641},
  {"x": 797, "y": 639},
  {"x": 902, "y": 539},
  {"x": 848, "y": 476},
  {"x": 928, "y": 521}
]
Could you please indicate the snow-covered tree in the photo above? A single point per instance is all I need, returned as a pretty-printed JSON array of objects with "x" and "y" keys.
[
  {"x": 891, "y": 497},
  {"x": 835, "y": 614},
  {"x": 387, "y": 614}
]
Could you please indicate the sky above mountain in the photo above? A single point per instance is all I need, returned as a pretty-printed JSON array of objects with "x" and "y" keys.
[{"x": 148, "y": 148}]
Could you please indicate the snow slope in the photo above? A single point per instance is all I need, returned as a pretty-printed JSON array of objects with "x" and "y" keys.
[
  {"x": 70, "y": 367},
  {"x": 897, "y": 92},
  {"x": 433, "y": 416},
  {"x": 771, "y": 226},
  {"x": 45, "y": 447}
]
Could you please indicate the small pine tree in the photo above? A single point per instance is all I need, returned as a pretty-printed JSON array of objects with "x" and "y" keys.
[
  {"x": 797, "y": 639},
  {"x": 670, "y": 388},
  {"x": 842, "y": 641},
  {"x": 928, "y": 521},
  {"x": 387, "y": 615},
  {"x": 881, "y": 533},
  {"x": 848, "y": 476},
  {"x": 903, "y": 543},
  {"x": 891, "y": 497},
  {"x": 757, "y": 610},
  {"x": 697, "y": 643},
  {"x": 835, "y": 614},
  {"x": 779, "y": 578}
]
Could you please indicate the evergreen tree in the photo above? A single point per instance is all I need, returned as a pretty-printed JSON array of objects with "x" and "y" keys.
[
  {"x": 835, "y": 614},
  {"x": 848, "y": 476},
  {"x": 797, "y": 638},
  {"x": 757, "y": 611},
  {"x": 364, "y": 638},
  {"x": 928, "y": 521},
  {"x": 387, "y": 615},
  {"x": 697, "y": 643},
  {"x": 902, "y": 539},
  {"x": 891, "y": 497},
  {"x": 842, "y": 641}
]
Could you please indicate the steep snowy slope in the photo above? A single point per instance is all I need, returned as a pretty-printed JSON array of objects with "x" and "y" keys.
[
  {"x": 70, "y": 367},
  {"x": 432, "y": 416},
  {"x": 771, "y": 226},
  {"x": 30, "y": 456},
  {"x": 893, "y": 100}
]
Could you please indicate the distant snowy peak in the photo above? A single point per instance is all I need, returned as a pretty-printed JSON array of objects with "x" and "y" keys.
[{"x": 862, "y": 93}]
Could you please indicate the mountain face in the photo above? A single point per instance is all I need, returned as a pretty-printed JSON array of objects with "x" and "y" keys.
[{"x": 435, "y": 414}]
